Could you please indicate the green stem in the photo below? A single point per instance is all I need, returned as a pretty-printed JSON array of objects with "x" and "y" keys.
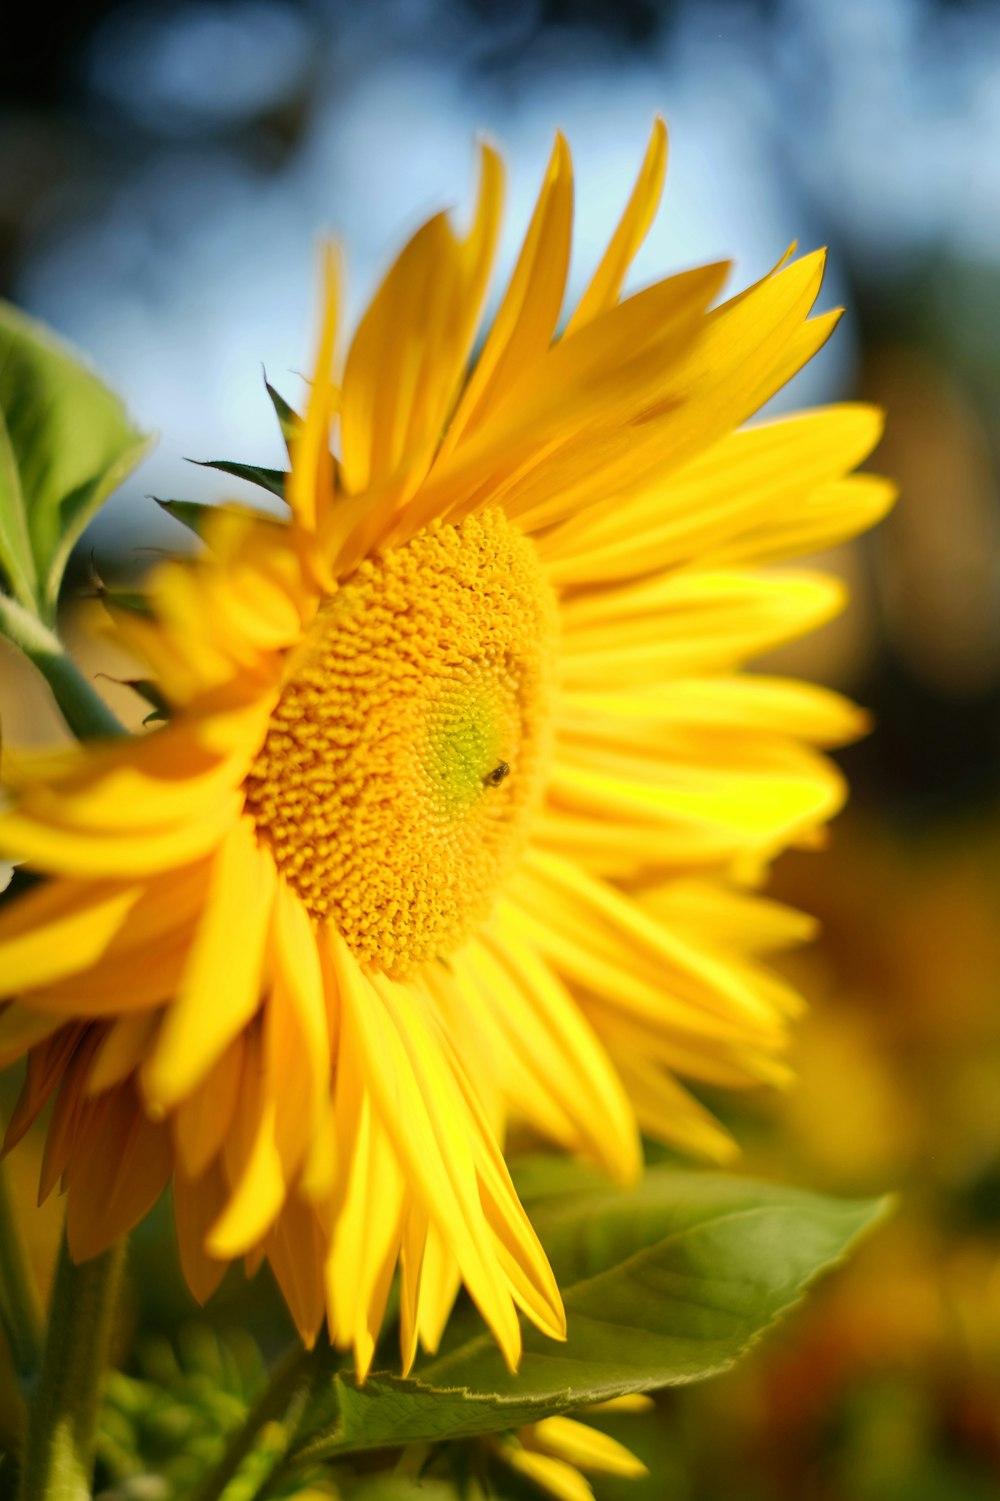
[
  {"x": 288, "y": 1376},
  {"x": 83, "y": 709},
  {"x": 62, "y": 1420},
  {"x": 20, "y": 1311}
]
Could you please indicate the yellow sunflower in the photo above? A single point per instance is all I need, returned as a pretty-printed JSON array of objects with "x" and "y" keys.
[
  {"x": 557, "y": 1454},
  {"x": 458, "y": 765}
]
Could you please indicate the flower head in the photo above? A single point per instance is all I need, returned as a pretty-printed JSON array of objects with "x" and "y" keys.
[{"x": 459, "y": 769}]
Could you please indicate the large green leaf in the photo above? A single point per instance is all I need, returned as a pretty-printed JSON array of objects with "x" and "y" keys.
[
  {"x": 66, "y": 442},
  {"x": 668, "y": 1283}
]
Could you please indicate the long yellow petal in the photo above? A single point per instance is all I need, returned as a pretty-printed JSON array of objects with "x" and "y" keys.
[
  {"x": 22, "y": 1029},
  {"x": 121, "y": 1163},
  {"x": 253, "y": 1165},
  {"x": 203, "y": 1118},
  {"x": 418, "y": 1101},
  {"x": 296, "y": 1035},
  {"x": 583, "y": 419},
  {"x": 603, "y": 923},
  {"x": 366, "y": 1240},
  {"x": 48, "y": 1061},
  {"x": 58, "y": 928},
  {"x": 606, "y": 283},
  {"x": 82, "y": 852},
  {"x": 296, "y": 1250},
  {"x": 408, "y": 357},
  {"x": 527, "y": 316},
  {"x": 310, "y": 488},
  {"x": 588, "y": 1448},
  {"x": 122, "y": 1050},
  {"x": 554, "y": 1040},
  {"x": 661, "y": 719},
  {"x": 197, "y": 1204},
  {"x": 221, "y": 989},
  {"x": 760, "y": 478},
  {"x": 687, "y": 623}
]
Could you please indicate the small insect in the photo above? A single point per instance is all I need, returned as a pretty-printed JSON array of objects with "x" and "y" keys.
[{"x": 497, "y": 775}]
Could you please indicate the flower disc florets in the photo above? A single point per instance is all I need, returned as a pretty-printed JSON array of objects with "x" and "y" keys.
[{"x": 409, "y": 742}]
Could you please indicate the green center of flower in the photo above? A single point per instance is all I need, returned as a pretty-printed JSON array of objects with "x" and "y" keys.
[{"x": 408, "y": 748}]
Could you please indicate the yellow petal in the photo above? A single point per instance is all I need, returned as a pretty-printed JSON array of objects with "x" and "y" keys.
[
  {"x": 296, "y": 1250},
  {"x": 671, "y": 1115},
  {"x": 707, "y": 814},
  {"x": 421, "y": 1108},
  {"x": 122, "y": 1050},
  {"x": 609, "y": 931},
  {"x": 296, "y": 1035},
  {"x": 221, "y": 989},
  {"x": 58, "y": 928},
  {"x": 310, "y": 488},
  {"x": 583, "y": 420},
  {"x": 440, "y": 1280},
  {"x": 365, "y": 1239},
  {"x": 759, "y": 480},
  {"x": 834, "y": 513},
  {"x": 202, "y": 1119},
  {"x": 413, "y": 1241},
  {"x": 554, "y": 1040},
  {"x": 82, "y": 852},
  {"x": 408, "y": 357},
  {"x": 197, "y": 1204},
  {"x": 554, "y": 1476},
  {"x": 22, "y": 1029},
  {"x": 48, "y": 1061},
  {"x": 586, "y": 1447},
  {"x": 728, "y": 917},
  {"x": 120, "y": 1164},
  {"x": 687, "y": 623},
  {"x": 664, "y": 719},
  {"x": 253, "y": 1165},
  {"x": 527, "y": 316},
  {"x": 606, "y": 283}
]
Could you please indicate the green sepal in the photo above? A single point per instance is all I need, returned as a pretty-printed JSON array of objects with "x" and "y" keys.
[
  {"x": 133, "y": 600},
  {"x": 199, "y": 518},
  {"x": 288, "y": 420},
  {"x": 272, "y": 480},
  {"x": 66, "y": 441},
  {"x": 148, "y": 690},
  {"x": 190, "y": 513},
  {"x": 668, "y": 1283}
]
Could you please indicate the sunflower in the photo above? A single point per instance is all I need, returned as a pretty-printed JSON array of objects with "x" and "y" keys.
[
  {"x": 459, "y": 781},
  {"x": 556, "y": 1454}
]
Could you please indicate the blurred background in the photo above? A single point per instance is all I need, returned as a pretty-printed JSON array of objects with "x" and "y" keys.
[{"x": 165, "y": 171}]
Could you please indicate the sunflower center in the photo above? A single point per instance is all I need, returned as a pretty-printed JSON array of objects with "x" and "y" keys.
[{"x": 409, "y": 744}]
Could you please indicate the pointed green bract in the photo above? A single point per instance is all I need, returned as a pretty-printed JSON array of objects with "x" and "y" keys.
[
  {"x": 272, "y": 480},
  {"x": 668, "y": 1283},
  {"x": 66, "y": 441},
  {"x": 288, "y": 420},
  {"x": 199, "y": 517}
]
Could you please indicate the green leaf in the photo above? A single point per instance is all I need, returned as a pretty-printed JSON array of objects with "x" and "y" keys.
[
  {"x": 66, "y": 442},
  {"x": 272, "y": 480},
  {"x": 667, "y": 1283}
]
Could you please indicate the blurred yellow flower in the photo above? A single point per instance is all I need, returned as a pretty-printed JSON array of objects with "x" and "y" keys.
[
  {"x": 459, "y": 763},
  {"x": 558, "y": 1453}
]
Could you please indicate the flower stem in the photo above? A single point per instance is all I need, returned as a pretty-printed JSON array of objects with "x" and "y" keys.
[
  {"x": 62, "y": 1419},
  {"x": 81, "y": 706},
  {"x": 288, "y": 1376},
  {"x": 20, "y": 1312}
]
